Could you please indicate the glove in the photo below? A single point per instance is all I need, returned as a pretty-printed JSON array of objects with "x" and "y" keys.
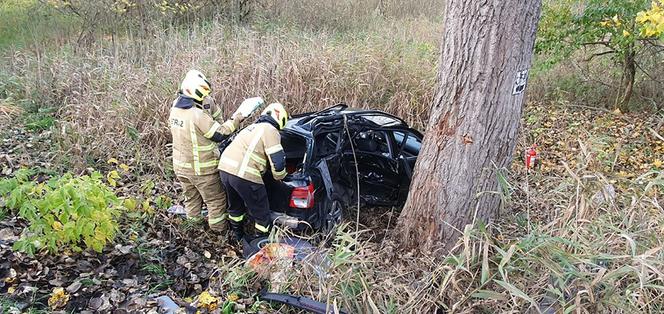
[
  {"x": 208, "y": 102},
  {"x": 248, "y": 106},
  {"x": 238, "y": 116}
]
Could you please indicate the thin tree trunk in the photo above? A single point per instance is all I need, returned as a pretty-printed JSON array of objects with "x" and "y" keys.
[
  {"x": 627, "y": 82},
  {"x": 474, "y": 119}
]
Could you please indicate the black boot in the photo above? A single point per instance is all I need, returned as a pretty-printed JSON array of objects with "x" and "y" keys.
[
  {"x": 237, "y": 232},
  {"x": 260, "y": 231}
]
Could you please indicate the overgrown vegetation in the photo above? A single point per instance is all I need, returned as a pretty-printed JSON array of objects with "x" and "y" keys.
[
  {"x": 566, "y": 243},
  {"x": 304, "y": 70},
  {"x": 582, "y": 233},
  {"x": 628, "y": 31}
]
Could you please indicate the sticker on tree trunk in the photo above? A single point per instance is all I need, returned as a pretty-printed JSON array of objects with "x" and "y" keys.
[{"x": 520, "y": 82}]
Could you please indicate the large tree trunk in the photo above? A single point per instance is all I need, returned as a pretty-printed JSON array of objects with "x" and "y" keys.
[{"x": 474, "y": 120}]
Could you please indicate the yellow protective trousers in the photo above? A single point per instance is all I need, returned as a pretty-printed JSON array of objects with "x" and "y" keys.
[{"x": 205, "y": 189}]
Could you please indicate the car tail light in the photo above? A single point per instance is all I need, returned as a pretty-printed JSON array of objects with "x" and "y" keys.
[{"x": 302, "y": 197}]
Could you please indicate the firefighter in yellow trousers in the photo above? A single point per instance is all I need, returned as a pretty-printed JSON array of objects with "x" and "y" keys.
[
  {"x": 195, "y": 155},
  {"x": 243, "y": 164}
]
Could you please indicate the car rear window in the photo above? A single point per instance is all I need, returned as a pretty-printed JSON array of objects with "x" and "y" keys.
[{"x": 294, "y": 146}]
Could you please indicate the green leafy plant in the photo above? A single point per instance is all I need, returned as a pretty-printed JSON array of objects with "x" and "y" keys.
[
  {"x": 163, "y": 202},
  {"x": 66, "y": 212},
  {"x": 154, "y": 269},
  {"x": 40, "y": 120}
]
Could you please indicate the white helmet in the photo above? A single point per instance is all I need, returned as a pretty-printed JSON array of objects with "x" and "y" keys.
[
  {"x": 195, "y": 85},
  {"x": 277, "y": 112}
]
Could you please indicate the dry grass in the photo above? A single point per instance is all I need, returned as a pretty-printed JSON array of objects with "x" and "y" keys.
[
  {"x": 347, "y": 14},
  {"x": 583, "y": 234},
  {"x": 579, "y": 253},
  {"x": 113, "y": 99},
  {"x": 9, "y": 110}
]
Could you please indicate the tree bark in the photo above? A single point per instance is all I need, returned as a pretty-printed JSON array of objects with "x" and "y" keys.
[
  {"x": 474, "y": 120},
  {"x": 627, "y": 82}
]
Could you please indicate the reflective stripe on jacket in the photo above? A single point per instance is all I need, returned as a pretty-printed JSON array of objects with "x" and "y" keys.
[
  {"x": 194, "y": 153},
  {"x": 247, "y": 156}
]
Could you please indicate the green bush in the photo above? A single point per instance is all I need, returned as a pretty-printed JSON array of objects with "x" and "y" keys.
[
  {"x": 40, "y": 121},
  {"x": 65, "y": 212}
]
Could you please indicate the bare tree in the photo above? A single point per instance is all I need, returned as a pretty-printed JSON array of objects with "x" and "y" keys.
[{"x": 472, "y": 131}]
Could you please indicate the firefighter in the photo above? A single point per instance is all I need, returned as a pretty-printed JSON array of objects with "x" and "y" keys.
[
  {"x": 243, "y": 164},
  {"x": 195, "y": 155}
]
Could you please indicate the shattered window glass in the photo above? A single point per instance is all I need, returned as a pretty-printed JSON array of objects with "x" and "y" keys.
[
  {"x": 326, "y": 144},
  {"x": 382, "y": 120},
  {"x": 412, "y": 145},
  {"x": 372, "y": 142}
]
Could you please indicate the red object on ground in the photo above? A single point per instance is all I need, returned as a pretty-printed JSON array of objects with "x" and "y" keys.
[{"x": 531, "y": 156}]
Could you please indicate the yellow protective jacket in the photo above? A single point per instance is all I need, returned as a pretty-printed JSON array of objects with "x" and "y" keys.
[
  {"x": 247, "y": 156},
  {"x": 212, "y": 108},
  {"x": 194, "y": 135}
]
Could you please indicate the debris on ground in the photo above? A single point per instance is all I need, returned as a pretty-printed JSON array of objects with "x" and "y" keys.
[
  {"x": 302, "y": 303},
  {"x": 159, "y": 255},
  {"x": 176, "y": 210},
  {"x": 167, "y": 305}
]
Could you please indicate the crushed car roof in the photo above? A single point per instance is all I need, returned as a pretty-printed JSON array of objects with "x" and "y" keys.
[{"x": 305, "y": 121}]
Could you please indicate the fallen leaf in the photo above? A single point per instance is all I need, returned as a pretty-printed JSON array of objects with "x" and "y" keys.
[
  {"x": 117, "y": 297},
  {"x": 207, "y": 301},
  {"x": 124, "y": 249},
  {"x": 58, "y": 299},
  {"x": 57, "y": 226},
  {"x": 112, "y": 178},
  {"x": 657, "y": 163},
  {"x": 74, "y": 286},
  {"x": 7, "y": 235},
  {"x": 12, "y": 274},
  {"x": 56, "y": 282},
  {"x": 130, "y": 282}
]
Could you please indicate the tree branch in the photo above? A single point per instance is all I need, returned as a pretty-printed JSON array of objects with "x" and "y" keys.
[
  {"x": 599, "y": 54},
  {"x": 587, "y": 78},
  {"x": 60, "y": 9},
  {"x": 595, "y": 43},
  {"x": 646, "y": 73},
  {"x": 652, "y": 42}
]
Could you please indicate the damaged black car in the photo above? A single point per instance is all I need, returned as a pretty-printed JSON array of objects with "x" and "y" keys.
[{"x": 330, "y": 152}]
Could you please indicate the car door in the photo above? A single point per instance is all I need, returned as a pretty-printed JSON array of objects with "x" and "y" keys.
[
  {"x": 407, "y": 143},
  {"x": 377, "y": 169}
]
